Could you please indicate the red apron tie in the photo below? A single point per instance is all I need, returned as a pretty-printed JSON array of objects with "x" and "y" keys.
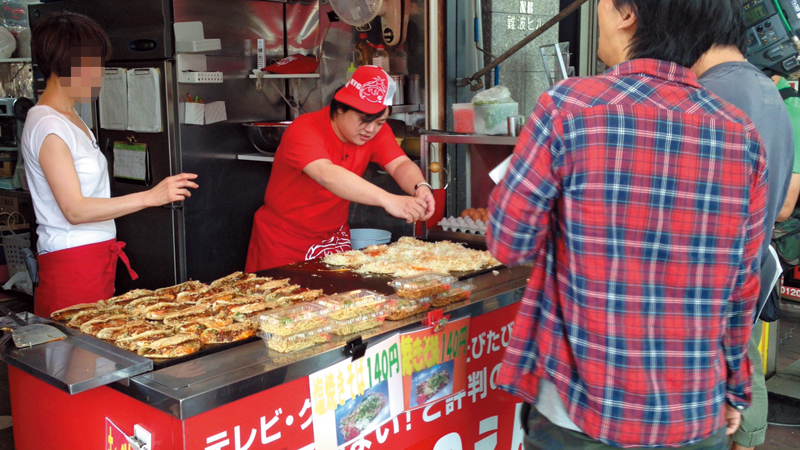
[{"x": 117, "y": 247}]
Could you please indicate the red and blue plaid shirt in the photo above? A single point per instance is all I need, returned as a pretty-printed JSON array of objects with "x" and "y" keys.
[{"x": 639, "y": 197}]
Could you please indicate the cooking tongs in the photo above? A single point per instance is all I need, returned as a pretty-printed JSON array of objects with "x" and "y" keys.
[{"x": 29, "y": 335}]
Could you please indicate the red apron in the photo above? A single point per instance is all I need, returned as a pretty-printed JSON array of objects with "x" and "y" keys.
[
  {"x": 78, "y": 275},
  {"x": 274, "y": 243}
]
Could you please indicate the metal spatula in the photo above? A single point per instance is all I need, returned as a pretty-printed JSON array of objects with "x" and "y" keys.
[{"x": 29, "y": 335}]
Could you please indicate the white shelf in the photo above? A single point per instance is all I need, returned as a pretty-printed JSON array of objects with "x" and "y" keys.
[
  {"x": 15, "y": 60},
  {"x": 286, "y": 75},
  {"x": 256, "y": 157}
]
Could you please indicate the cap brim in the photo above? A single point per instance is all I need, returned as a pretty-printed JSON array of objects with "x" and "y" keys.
[{"x": 353, "y": 101}]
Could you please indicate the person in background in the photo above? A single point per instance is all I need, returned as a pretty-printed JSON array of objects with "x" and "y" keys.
[
  {"x": 68, "y": 174},
  {"x": 723, "y": 70},
  {"x": 317, "y": 173},
  {"x": 792, "y": 102},
  {"x": 639, "y": 197}
]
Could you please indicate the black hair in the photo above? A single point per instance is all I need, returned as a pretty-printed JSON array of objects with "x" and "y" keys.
[
  {"x": 338, "y": 107},
  {"x": 681, "y": 31},
  {"x": 57, "y": 38}
]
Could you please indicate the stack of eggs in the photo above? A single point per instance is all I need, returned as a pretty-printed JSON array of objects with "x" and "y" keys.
[{"x": 476, "y": 214}]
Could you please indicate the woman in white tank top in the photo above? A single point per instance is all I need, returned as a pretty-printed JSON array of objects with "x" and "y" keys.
[{"x": 68, "y": 175}]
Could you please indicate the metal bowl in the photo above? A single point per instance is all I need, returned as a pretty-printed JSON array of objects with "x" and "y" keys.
[{"x": 266, "y": 136}]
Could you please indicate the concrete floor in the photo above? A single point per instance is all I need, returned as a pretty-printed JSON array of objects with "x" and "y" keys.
[{"x": 784, "y": 413}]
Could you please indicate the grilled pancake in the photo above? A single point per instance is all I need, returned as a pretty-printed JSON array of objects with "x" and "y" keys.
[
  {"x": 231, "y": 333},
  {"x": 171, "y": 347},
  {"x": 94, "y": 326},
  {"x": 133, "y": 343},
  {"x": 66, "y": 314},
  {"x": 161, "y": 310},
  {"x": 173, "y": 291},
  {"x": 233, "y": 278},
  {"x": 132, "y": 328}
]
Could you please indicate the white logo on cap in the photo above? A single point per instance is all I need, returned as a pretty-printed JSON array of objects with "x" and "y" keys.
[
  {"x": 374, "y": 91},
  {"x": 286, "y": 61}
]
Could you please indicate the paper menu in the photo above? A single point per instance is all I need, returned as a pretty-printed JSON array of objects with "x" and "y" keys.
[
  {"x": 144, "y": 100},
  {"x": 114, "y": 99}
]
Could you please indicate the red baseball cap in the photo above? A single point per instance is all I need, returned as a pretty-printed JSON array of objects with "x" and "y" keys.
[{"x": 369, "y": 90}]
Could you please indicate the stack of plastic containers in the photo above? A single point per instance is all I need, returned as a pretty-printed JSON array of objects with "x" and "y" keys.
[
  {"x": 295, "y": 327},
  {"x": 355, "y": 311}
]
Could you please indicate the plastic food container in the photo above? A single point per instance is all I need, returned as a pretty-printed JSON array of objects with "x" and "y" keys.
[
  {"x": 492, "y": 118},
  {"x": 293, "y": 319},
  {"x": 463, "y": 118},
  {"x": 407, "y": 307},
  {"x": 422, "y": 285},
  {"x": 459, "y": 291},
  {"x": 353, "y": 304},
  {"x": 297, "y": 341},
  {"x": 357, "y": 324}
]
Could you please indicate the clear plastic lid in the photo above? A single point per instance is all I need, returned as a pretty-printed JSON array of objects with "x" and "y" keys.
[
  {"x": 297, "y": 341},
  {"x": 360, "y": 323},
  {"x": 407, "y": 307},
  {"x": 422, "y": 285},
  {"x": 352, "y": 304},
  {"x": 293, "y": 319},
  {"x": 460, "y": 290}
]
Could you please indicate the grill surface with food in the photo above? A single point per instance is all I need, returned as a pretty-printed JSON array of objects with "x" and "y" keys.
[{"x": 409, "y": 256}]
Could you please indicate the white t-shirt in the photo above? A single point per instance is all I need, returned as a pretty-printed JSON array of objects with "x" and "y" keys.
[{"x": 54, "y": 231}]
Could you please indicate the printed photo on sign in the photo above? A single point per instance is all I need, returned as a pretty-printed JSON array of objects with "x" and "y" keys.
[
  {"x": 363, "y": 414},
  {"x": 432, "y": 384}
]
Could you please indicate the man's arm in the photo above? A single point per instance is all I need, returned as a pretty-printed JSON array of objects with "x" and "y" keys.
[
  {"x": 520, "y": 205},
  {"x": 349, "y": 186},
  {"x": 791, "y": 198},
  {"x": 744, "y": 297},
  {"x": 407, "y": 175}
]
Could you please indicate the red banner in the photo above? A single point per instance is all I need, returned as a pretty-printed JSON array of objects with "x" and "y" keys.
[{"x": 482, "y": 417}]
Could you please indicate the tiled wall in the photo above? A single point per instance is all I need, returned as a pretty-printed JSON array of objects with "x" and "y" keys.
[{"x": 506, "y": 22}]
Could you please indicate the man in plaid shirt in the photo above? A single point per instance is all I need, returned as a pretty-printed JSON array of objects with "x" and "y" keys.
[{"x": 639, "y": 197}]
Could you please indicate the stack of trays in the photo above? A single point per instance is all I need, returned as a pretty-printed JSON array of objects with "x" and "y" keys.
[{"x": 463, "y": 225}]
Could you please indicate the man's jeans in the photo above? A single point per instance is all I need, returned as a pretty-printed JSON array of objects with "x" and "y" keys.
[{"x": 541, "y": 434}]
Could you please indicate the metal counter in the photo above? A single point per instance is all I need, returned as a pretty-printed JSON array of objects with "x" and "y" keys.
[{"x": 187, "y": 389}]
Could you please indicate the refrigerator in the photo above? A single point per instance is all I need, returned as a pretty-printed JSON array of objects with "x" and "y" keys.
[{"x": 206, "y": 236}]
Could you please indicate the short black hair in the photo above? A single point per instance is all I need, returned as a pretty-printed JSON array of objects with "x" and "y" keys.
[
  {"x": 338, "y": 107},
  {"x": 59, "y": 35},
  {"x": 681, "y": 31}
]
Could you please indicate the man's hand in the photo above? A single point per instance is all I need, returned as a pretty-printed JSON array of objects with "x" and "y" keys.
[
  {"x": 411, "y": 209},
  {"x": 424, "y": 193},
  {"x": 733, "y": 418}
]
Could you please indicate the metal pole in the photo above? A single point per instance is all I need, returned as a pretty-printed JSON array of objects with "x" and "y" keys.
[{"x": 475, "y": 82}]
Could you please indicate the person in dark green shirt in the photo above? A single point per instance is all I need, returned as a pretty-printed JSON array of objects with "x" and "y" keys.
[{"x": 792, "y": 102}]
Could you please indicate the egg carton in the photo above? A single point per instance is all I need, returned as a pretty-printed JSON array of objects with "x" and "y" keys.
[{"x": 463, "y": 225}]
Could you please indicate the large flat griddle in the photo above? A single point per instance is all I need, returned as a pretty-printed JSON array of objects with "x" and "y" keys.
[{"x": 315, "y": 274}]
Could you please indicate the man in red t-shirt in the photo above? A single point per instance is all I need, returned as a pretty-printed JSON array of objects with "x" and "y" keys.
[{"x": 317, "y": 173}]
